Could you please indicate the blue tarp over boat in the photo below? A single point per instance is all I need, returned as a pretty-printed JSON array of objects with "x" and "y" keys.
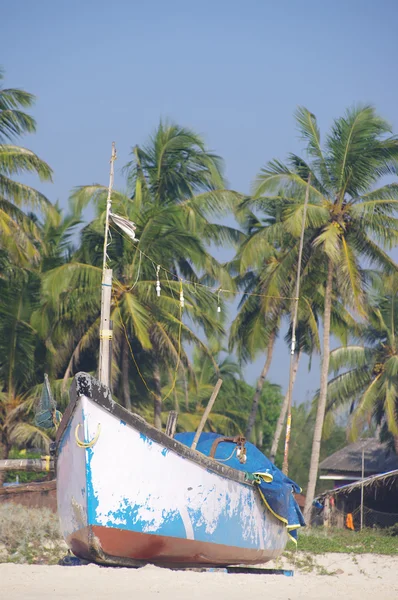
[{"x": 275, "y": 488}]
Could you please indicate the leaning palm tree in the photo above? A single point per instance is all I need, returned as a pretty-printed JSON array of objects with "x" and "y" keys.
[
  {"x": 263, "y": 305},
  {"x": 268, "y": 271},
  {"x": 347, "y": 219},
  {"x": 310, "y": 308},
  {"x": 17, "y": 230},
  {"x": 368, "y": 381}
]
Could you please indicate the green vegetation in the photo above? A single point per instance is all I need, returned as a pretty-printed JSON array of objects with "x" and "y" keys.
[
  {"x": 368, "y": 541},
  {"x": 301, "y": 445},
  {"x": 24, "y": 476},
  {"x": 32, "y": 535},
  {"x": 168, "y": 358},
  {"x": 369, "y": 380}
]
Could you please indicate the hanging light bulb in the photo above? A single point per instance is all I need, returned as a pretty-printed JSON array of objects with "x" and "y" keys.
[
  {"x": 158, "y": 288},
  {"x": 218, "y": 302}
]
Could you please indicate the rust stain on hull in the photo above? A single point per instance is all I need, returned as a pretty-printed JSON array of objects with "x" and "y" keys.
[{"x": 107, "y": 545}]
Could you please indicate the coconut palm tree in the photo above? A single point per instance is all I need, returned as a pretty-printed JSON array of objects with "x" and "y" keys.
[
  {"x": 138, "y": 315},
  {"x": 261, "y": 309},
  {"x": 366, "y": 374},
  {"x": 200, "y": 377},
  {"x": 229, "y": 413},
  {"x": 19, "y": 295},
  {"x": 258, "y": 322},
  {"x": 176, "y": 186},
  {"x": 56, "y": 232},
  {"x": 176, "y": 168},
  {"x": 311, "y": 304},
  {"x": 347, "y": 219},
  {"x": 17, "y": 231},
  {"x": 28, "y": 347}
]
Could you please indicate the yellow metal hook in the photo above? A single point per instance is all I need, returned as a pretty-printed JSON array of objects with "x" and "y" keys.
[{"x": 86, "y": 444}]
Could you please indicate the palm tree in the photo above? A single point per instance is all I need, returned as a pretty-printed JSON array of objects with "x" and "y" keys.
[
  {"x": 233, "y": 401},
  {"x": 56, "y": 232},
  {"x": 176, "y": 185},
  {"x": 307, "y": 334},
  {"x": 28, "y": 344},
  {"x": 263, "y": 267},
  {"x": 368, "y": 380},
  {"x": 19, "y": 296},
  {"x": 138, "y": 315},
  {"x": 261, "y": 309},
  {"x": 201, "y": 375},
  {"x": 17, "y": 230},
  {"x": 249, "y": 333},
  {"x": 347, "y": 220}
]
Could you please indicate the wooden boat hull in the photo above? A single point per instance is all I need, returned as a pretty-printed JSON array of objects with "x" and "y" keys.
[
  {"x": 108, "y": 545},
  {"x": 129, "y": 495}
]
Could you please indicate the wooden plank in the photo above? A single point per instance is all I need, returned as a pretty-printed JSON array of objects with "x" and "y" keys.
[
  {"x": 27, "y": 464},
  {"x": 38, "y": 486},
  {"x": 171, "y": 424},
  {"x": 206, "y": 414}
]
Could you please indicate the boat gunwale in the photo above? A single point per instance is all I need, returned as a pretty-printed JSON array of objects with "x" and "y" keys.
[{"x": 85, "y": 385}]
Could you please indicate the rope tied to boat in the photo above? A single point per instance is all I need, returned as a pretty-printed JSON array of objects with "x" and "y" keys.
[
  {"x": 240, "y": 448},
  {"x": 87, "y": 444}
]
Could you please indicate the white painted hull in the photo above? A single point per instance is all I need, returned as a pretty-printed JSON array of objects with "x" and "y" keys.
[{"x": 130, "y": 499}]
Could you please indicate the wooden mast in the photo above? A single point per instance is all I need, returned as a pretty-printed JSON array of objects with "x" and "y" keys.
[{"x": 106, "y": 294}]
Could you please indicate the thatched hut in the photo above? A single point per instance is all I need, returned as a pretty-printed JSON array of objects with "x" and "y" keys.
[
  {"x": 345, "y": 466},
  {"x": 378, "y": 496},
  {"x": 363, "y": 474}
]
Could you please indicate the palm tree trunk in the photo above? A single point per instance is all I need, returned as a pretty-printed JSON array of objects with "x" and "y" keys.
[
  {"x": 186, "y": 395},
  {"x": 125, "y": 375},
  {"x": 260, "y": 384},
  {"x": 282, "y": 415},
  {"x": 4, "y": 453},
  {"x": 175, "y": 392},
  {"x": 320, "y": 415},
  {"x": 157, "y": 400},
  {"x": 260, "y": 437}
]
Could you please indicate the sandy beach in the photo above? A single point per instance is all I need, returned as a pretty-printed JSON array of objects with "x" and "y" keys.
[{"x": 354, "y": 577}]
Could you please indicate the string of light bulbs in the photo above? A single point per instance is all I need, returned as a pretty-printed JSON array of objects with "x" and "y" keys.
[{"x": 182, "y": 280}]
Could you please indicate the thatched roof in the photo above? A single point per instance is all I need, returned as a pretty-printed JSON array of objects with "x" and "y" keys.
[
  {"x": 386, "y": 479},
  {"x": 378, "y": 458}
]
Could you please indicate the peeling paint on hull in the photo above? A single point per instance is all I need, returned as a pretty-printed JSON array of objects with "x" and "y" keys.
[{"x": 136, "y": 496}]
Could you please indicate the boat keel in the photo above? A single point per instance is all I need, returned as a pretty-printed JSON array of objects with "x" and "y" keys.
[{"x": 110, "y": 546}]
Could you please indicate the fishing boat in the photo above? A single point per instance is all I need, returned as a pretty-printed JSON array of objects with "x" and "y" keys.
[{"x": 129, "y": 494}]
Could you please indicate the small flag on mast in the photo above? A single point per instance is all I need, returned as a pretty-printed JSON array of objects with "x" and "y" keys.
[{"x": 125, "y": 225}]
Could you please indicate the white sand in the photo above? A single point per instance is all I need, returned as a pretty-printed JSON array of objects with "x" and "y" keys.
[{"x": 359, "y": 577}]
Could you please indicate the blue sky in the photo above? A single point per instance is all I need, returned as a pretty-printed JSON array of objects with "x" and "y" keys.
[{"x": 233, "y": 71}]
